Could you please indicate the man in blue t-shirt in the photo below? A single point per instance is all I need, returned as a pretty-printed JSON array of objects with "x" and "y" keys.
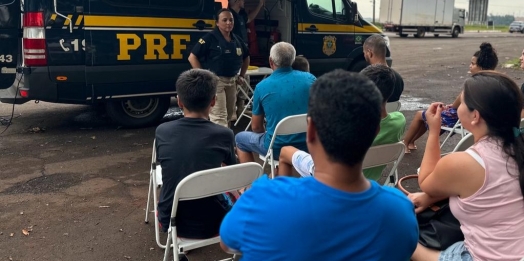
[
  {"x": 284, "y": 93},
  {"x": 338, "y": 214}
]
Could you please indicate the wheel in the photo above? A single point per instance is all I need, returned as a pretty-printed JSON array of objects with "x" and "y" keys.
[
  {"x": 510, "y": 32},
  {"x": 456, "y": 32},
  {"x": 138, "y": 112},
  {"x": 421, "y": 32},
  {"x": 358, "y": 66},
  {"x": 403, "y": 35},
  {"x": 436, "y": 35}
]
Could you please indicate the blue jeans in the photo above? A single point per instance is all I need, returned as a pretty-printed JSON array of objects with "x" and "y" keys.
[
  {"x": 251, "y": 142},
  {"x": 456, "y": 252}
]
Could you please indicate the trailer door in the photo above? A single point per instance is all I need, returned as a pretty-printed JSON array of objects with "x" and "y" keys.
[{"x": 10, "y": 24}]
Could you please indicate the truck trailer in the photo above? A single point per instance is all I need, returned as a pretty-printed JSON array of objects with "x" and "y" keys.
[{"x": 419, "y": 17}]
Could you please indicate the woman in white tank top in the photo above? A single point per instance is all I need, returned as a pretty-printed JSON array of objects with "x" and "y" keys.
[{"x": 484, "y": 184}]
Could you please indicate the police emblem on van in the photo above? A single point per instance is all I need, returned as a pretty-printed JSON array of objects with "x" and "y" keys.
[
  {"x": 330, "y": 45},
  {"x": 239, "y": 51}
]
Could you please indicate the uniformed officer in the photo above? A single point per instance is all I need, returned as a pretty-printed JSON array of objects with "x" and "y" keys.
[
  {"x": 223, "y": 53},
  {"x": 241, "y": 19}
]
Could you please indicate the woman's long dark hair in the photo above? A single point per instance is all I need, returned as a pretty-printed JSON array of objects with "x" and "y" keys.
[{"x": 499, "y": 101}]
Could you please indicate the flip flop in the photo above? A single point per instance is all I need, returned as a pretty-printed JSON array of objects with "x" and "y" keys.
[{"x": 412, "y": 148}]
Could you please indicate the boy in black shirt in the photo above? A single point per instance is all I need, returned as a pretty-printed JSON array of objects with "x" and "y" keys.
[{"x": 192, "y": 144}]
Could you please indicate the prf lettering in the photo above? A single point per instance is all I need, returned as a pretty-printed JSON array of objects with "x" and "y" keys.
[{"x": 155, "y": 46}]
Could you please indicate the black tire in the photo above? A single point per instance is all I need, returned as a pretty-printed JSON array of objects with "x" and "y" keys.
[
  {"x": 510, "y": 32},
  {"x": 358, "y": 66},
  {"x": 436, "y": 35},
  {"x": 456, "y": 32},
  {"x": 421, "y": 32},
  {"x": 138, "y": 112},
  {"x": 403, "y": 35}
]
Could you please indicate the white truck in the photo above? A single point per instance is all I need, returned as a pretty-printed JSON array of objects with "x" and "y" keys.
[{"x": 419, "y": 17}]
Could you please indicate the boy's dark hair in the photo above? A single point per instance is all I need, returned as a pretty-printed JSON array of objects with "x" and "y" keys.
[
  {"x": 196, "y": 88},
  {"x": 383, "y": 77},
  {"x": 487, "y": 58},
  {"x": 377, "y": 44},
  {"x": 345, "y": 108},
  {"x": 301, "y": 64}
]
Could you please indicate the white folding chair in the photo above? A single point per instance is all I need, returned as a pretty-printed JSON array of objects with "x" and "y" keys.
[
  {"x": 289, "y": 125},
  {"x": 249, "y": 103},
  {"x": 393, "y": 106},
  {"x": 203, "y": 184},
  {"x": 456, "y": 129},
  {"x": 155, "y": 182},
  {"x": 381, "y": 155}
]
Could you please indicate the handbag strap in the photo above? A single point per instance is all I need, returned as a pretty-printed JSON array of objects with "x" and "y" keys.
[
  {"x": 399, "y": 183},
  {"x": 405, "y": 191}
]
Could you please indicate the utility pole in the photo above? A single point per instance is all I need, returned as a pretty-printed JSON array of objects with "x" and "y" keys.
[{"x": 373, "y": 11}]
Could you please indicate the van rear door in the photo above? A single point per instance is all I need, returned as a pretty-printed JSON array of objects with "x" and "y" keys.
[{"x": 10, "y": 22}]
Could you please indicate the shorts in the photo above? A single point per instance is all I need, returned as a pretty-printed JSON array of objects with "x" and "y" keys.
[
  {"x": 456, "y": 252},
  {"x": 251, "y": 142},
  {"x": 448, "y": 118},
  {"x": 303, "y": 163}
]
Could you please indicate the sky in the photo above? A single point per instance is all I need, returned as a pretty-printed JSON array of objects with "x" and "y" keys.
[{"x": 496, "y": 7}]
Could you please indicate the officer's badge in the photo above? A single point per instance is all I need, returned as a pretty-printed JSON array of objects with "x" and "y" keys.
[
  {"x": 239, "y": 51},
  {"x": 330, "y": 45}
]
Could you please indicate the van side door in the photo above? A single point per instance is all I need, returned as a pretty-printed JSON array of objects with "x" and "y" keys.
[
  {"x": 66, "y": 51},
  {"x": 10, "y": 40},
  {"x": 139, "y": 47},
  {"x": 324, "y": 36}
]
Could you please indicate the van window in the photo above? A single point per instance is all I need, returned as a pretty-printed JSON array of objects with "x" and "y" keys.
[
  {"x": 190, "y": 4},
  {"x": 321, "y": 7},
  {"x": 144, "y": 3}
]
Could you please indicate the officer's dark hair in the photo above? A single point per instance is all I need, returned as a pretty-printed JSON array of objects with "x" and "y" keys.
[
  {"x": 487, "y": 58},
  {"x": 219, "y": 11},
  {"x": 345, "y": 108},
  {"x": 383, "y": 77},
  {"x": 301, "y": 64},
  {"x": 196, "y": 88},
  {"x": 377, "y": 45}
]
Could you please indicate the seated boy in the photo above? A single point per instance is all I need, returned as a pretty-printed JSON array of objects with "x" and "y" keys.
[
  {"x": 391, "y": 129},
  {"x": 192, "y": 144},
  {"x": 338, "y": 214},
  {"x": 300, "y": 64}
]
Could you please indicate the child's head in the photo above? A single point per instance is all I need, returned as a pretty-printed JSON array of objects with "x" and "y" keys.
[
  {"x": 196, "y": 90},
  {"x": 484, "y": 59},
  {"x": 301, "y": 64},
  {"x": 383, "y": 77}
]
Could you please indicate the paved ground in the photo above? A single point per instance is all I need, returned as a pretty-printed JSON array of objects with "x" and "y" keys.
[{"x": 78, "y": 184}]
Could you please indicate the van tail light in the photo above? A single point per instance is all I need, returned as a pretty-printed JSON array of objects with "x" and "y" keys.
[{"x": 34, "y": 39}]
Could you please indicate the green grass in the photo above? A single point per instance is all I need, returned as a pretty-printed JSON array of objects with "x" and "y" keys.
[
  {"x": 515, "y": 63},
  {"x": 503, "y": 28}
]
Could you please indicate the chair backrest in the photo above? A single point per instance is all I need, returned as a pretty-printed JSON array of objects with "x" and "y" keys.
[
  {"x": 290, "y": 125},
  {"x": 393, "y": 106},
  {"x": 384, "y": 154},
  {"x": 464, "y": 143},
  {"x": 215, "y": 181}
]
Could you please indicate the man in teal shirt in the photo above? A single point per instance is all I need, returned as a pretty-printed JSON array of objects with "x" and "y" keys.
[
  {"x": 284, "y": 93},
  {"x": 392, "y": 127}
]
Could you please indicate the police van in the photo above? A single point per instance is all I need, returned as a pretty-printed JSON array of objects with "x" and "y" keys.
[{"x": 127, "y": 54}]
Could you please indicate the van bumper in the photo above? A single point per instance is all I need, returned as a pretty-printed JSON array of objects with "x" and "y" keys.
[{"x": 38, "y": 84}]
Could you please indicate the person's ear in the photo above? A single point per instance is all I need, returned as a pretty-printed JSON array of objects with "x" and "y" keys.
[
  {"x": 180, "y": 104},
  {"x": 476, "y": 118},
  {"x": 213, "y": 100},
  {"x": 311, "y": 131}
]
